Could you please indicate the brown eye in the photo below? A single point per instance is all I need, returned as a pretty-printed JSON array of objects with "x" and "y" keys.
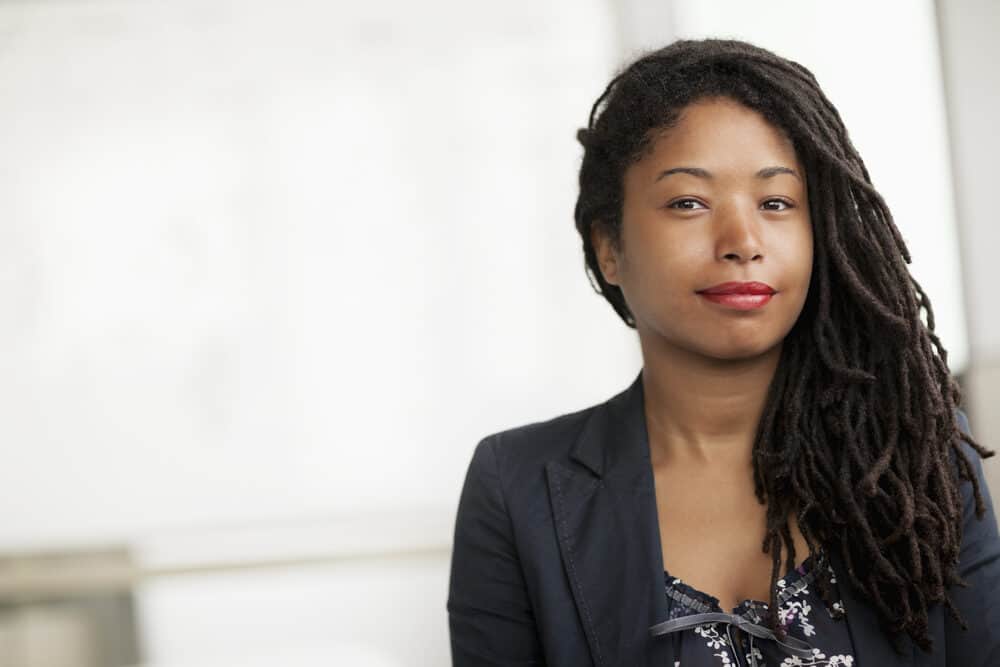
[
  {"x": 682, "y": 204},
  {"x": 782, "y": 202}
]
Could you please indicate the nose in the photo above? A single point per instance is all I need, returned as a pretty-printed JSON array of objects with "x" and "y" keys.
[{"x": 739, "y": 238}]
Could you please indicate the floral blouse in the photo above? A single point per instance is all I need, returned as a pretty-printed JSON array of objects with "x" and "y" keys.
[{"x": 814, "y": 637}]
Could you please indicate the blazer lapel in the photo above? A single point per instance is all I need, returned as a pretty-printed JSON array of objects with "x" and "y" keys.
[{"x": 606, "y": 522}]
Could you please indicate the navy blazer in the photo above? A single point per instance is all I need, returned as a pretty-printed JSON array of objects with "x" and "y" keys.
[{"x": 557, "y": 558}]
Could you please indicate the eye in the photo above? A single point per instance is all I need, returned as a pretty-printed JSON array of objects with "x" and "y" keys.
[
  {"x": 784, "y": 204},
  {"x": 685, "y": 202}
]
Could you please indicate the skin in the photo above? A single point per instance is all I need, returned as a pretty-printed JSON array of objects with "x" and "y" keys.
[{"x": 707, "y": 367}]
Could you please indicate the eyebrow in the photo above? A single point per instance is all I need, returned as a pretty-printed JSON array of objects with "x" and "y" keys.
[{"x": 766, "y": 172}]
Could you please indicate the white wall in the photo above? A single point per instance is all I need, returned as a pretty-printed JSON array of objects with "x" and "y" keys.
[{"x": 268, "y": 260}]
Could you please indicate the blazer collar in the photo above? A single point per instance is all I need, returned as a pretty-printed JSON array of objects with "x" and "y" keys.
[
  {"x": 615, "y": 435},
  {"x": 609, "y": 539}
]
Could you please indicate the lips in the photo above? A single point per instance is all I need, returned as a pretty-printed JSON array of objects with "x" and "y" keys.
[
  {"x": 739, "y": 295},
  {"x": 739, "y": 288}
]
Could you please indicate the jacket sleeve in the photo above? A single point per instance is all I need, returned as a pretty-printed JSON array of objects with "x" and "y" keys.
[
  {"x": 979, "y": 565},
  {"x": 489, "y": 613}
]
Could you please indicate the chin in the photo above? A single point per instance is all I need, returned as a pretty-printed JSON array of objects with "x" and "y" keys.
[{"x": 739, "y": 352}]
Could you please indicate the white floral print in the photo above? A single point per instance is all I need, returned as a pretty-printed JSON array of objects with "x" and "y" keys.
[
  {"x": 819, "y": 660},
  {"x": 797, "y": 610},
  {"x": 797, "y": 605},
  {"x": 710, "y": 632},
  {"x": 755, "y": 654}
]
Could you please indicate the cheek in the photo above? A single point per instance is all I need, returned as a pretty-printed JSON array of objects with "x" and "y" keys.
[
  {"x": 796, "y": 250},
  {"x": 665, "y": 246},
  {"x": 663, "y": 267}
]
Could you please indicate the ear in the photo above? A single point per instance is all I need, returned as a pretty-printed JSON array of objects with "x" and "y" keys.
[{"x": 606, "y": 250}]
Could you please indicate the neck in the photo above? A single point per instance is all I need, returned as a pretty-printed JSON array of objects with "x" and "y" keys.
[{"x": 701, "y": 410}]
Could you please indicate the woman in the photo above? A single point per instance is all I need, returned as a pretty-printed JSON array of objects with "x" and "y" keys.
[{"x": 789, "y": 480}]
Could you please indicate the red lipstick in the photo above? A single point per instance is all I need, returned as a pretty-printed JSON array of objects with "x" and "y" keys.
[{"x": 739, "y": 295}]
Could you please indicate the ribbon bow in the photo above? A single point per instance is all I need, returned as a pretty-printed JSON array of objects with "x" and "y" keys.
[{"x": 791, "y": 645}]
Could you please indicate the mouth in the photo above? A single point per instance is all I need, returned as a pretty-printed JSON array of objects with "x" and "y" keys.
[{"x": 739, "y": 295}]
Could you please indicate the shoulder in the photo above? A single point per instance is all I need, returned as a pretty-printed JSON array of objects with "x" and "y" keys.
[
  {"x": 978, "y": 566},
  {"x": 505, "y": 483},
  {"x": 515, "y": 458},
  {"x": 974, "y": 471},
  {"x": 526, "y": 446},
  {"x": 978, "y": 526}
]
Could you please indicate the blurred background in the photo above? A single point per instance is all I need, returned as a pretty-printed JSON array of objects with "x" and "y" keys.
[{"x": 269, "y": 271}]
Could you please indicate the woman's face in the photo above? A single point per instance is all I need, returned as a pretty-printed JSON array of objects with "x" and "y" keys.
[{"x": 720, "y": 198}]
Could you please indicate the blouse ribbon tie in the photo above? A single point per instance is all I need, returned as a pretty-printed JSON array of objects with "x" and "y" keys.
[{"x": 791, "y": 645}]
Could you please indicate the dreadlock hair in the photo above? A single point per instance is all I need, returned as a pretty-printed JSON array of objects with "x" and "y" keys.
[{"x": 859, "y": 435}]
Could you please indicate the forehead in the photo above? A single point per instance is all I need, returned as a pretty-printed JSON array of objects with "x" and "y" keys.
[{"x": 720, "y": 133}]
